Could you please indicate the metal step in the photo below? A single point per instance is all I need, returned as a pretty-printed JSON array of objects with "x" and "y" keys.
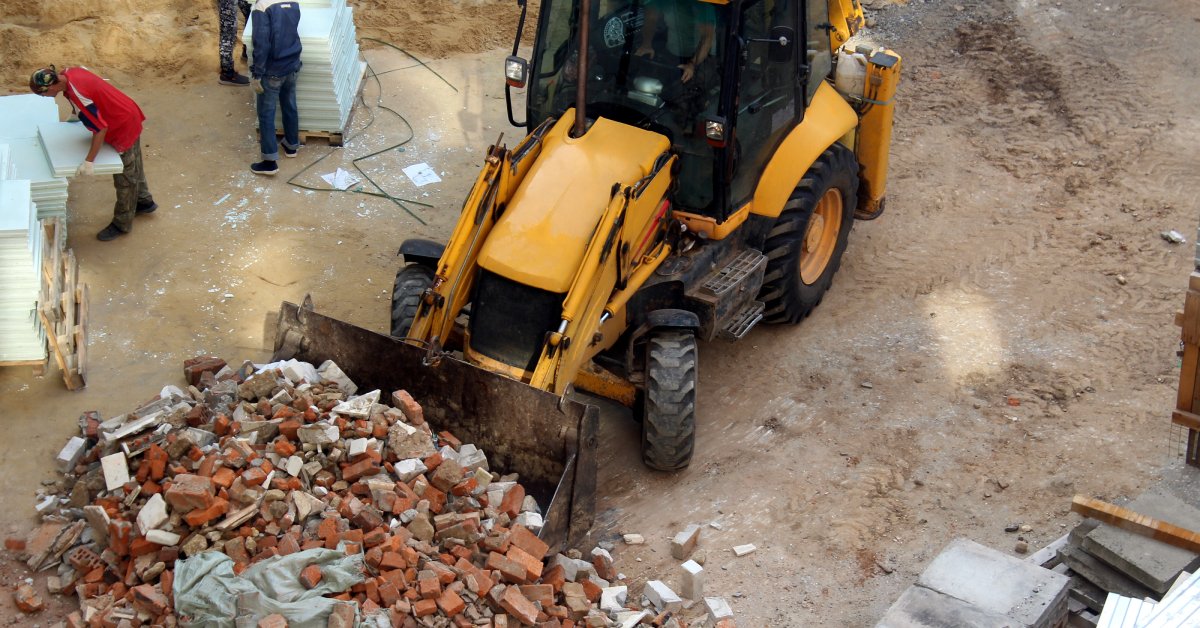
[
  {"x": 744, "y": 321},
  {"x": 732, "y": 275}
]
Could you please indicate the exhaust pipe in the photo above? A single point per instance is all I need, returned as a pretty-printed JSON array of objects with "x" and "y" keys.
[{"x": 581, "y": 74}]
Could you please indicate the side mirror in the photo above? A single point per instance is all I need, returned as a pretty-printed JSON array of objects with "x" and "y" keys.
[
  {"x": 516, "y": 72},
  {"x": 782, "y": 40}
]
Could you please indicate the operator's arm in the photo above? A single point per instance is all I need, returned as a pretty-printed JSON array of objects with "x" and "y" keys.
[
  {"x": 649, "y": 25},
  {"x": 97, "y": 142},
  {"x": 707, "y": 34}
]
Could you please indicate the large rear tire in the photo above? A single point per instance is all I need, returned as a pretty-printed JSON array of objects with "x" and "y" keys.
[
  {"x": 411, "y": 282},
  {"x": 669, "y": 408},
  {"x": 804, "y": 248}
]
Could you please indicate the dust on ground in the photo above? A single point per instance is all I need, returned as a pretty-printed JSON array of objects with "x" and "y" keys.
[{"x": 999, "y": 340}]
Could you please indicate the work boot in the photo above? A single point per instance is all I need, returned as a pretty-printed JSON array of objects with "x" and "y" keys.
[
  {"x": 147, "y": 208},
  {"x": 111, "y": 232},
  {"x": 264, "y": 167},
  {"x": 233, "y": 78}
]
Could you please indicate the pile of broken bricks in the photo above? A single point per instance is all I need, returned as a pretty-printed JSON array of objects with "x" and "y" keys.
[{"x": 259, "y": 463}]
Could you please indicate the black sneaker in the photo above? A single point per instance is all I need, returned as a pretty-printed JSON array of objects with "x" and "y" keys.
[
  {"x": 264, "y": 167},
  {"x": 288, "y": 152},
  {"x": 111, "y": 232},
  {"x": 147, "y": 208},
  {"x": 233, "y": 78}
]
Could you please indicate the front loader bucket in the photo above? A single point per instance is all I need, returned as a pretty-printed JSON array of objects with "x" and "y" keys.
[{"x": 550, "y": 442}]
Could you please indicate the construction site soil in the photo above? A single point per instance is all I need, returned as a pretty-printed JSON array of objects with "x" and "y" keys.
[{"x": 999, "y": 340}]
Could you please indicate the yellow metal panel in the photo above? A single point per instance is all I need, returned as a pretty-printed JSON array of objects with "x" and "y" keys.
[
  {"x": 827, "y": 118},
  {"x": 846, "y": 17},
  {"x": 875, "y": 135},
  {"x": 541, "y": 237},
  {"x": 708, "y": 226}
]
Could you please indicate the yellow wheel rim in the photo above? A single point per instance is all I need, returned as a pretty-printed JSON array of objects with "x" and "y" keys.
[{"x": 821, "y": 236}]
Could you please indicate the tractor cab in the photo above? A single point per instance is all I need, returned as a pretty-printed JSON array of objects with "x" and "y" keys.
[{"x": 724, "y": 82}]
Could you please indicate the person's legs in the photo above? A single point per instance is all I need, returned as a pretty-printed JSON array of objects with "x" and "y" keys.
[
  {"x": 144, "y": 198},
  {"x": 289, "y": 113},
  {"x": 227, "y": 19},
  {"x": 267, "y": 103},
  {"x": 127, "y": 183}
]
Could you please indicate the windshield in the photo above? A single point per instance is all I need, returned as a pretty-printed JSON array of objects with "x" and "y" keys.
[{"x": 653, "y": 64}]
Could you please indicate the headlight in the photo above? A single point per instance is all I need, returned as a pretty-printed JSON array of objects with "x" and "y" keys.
[{"x": 516, "y": 71}]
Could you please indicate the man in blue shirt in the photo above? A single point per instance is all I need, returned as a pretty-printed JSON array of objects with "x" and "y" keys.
[{"x": 276, "y": 50}]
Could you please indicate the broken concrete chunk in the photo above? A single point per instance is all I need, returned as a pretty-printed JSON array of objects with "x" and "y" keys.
[
  {"x": 685, "y": 542},
  {"x": 662, "y": 597},
  {"x": 259, "y": 385},
  {"x": 70, "y": 454},
  {"x": 406, "y": 441},
  {"x": 742, "y": 550},
  {"x": 152, "y": 515},
  {"x": 612, "y": 599},
  {"x": 358, "y": 407},
  {"x": 320, "y": 433},
  {"x": 633, "y": 539},
  {"x": 409, "y": 468},
  {"x": 162, "y": 537},
  {"x": 692, "y": 580},
  {"x": 116, "y": 471},
  {"x": 718, "y": 608},
  {"x": 330, "y": 372}
]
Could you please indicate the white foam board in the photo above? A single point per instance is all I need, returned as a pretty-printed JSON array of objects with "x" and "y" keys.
[{"x": 67, "y": 144}]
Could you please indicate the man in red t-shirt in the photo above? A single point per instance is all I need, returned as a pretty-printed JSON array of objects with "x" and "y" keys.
[{"x": 113, "y": 118}]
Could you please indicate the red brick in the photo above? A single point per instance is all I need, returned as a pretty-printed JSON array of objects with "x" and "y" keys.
[
  {"x": 197, "y": 518},
  {"x": 189, "y": 492},
  {"x": 310, "y": 576},
  {"x": 543, "y": 593},
  {"x": 392, "y": 560},
  {"x": 193, "y": 368},
  {"x": 555, "y": 577},
  {"x": 425, "y": 607},
  {"x": 450, "y": 603},
  {"x": 528, "y": 541},
  {"x": 512, "y": 501},
  {"x": 591, "y": 590},
  {"x": 284, "y": 447},
  {"x": 27, "y": 599},
  {"x": 147, "y": 598},
  {"x": 14, "y": 545},
  {"x": 510, "y": 570},
  {"x": 254, "y": 476},
  {"x": 289, "y": 427},
  {"x": 518, "y": 606},
  {"x": 359, "y": 469},
  {"x": 429, "y": 588},
  {"x": 533, "y": 565},
  {"x": 389, "y": 594},
  {"x": 223, "y": 477},
  {"x": 411, "y": 409}
]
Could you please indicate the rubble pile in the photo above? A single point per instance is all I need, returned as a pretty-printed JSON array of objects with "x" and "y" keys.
[{"x": 264, "y": 466}]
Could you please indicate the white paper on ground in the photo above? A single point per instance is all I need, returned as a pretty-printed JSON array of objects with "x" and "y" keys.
[
  {"x": 421, "y": 174},
  {"x": 340, "y": 179}
]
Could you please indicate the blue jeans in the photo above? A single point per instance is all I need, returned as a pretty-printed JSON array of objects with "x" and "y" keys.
[{"x": 278, "y": 91}]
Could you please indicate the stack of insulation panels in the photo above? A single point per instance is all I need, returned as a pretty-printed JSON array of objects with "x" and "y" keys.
[
  {"x": 331, "y": 71},
  {"x": 21, "y": 335},
  {"x": 22, "y": 115}
]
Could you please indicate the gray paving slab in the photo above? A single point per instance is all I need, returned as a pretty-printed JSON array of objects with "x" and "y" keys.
[
  {"x": 1152, "y": 563},
  {"x": 998, "y": 583},
  {"x": 919, "y": 607},
  {"x": 1100, "y": 574}
]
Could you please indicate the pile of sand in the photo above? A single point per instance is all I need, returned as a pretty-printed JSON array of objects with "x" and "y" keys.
[{"x": 176, "y": 40}]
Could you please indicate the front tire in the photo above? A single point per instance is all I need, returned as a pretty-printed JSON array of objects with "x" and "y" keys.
[
  {"x": 669, "y": 408},
  {"x": 411, "y": 282},
  {"x": 804, "y": 248}
]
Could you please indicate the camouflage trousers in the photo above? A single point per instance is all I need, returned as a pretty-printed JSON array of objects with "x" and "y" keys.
[
  {"x": 227, "y": 17},
  {"x": 131, "y": 188}
]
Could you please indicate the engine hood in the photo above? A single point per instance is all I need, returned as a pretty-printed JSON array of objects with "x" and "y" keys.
[{"x": 541, "y": 238}]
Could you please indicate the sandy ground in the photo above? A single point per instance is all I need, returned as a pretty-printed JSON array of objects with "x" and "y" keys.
[{"x": 998, "y": 341}]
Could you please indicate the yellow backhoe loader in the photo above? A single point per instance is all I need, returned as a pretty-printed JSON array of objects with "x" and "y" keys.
[
  {"x": 693, "y": 168},
  {"x": 649, "y": 209}
]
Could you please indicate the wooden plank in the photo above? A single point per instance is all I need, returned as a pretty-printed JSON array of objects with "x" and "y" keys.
[
  {"x": 81, "y": 335},
  {"x": 1194, "y": 281},
  {"x": 1186, "y": 419},
  {"x": 1137, "y": 523},
  {"x": 58, "y": 356},
  {"x": 1187, "y": 377},
  {"x": 1190, "y": 331},
  {"x": 22, "y": 363}
]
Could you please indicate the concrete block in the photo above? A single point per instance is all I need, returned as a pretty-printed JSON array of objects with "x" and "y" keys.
[
  {"x": 70, "y": 454},
  {"x": 162, "y": 537},
  {"x": 998, "y": 583},
  {"x": 662, "y": 597},
  {"x": 530, "y": 520},
  {"x": 692, "y": 580},
  {"x": 685, "y": 542},
  {"x": 742, "y": 550},
  {"x": 1100, "y": 574},
  {"x": 612, "y": 599},
  {"x": 320, "y": 433},
  {"x": 116, "y": 470},
  {"x": 718, "y": 608},
  {"x": 356, "y": 446},
  {"x": 1152, "y": 563},
  {"x": 629, "y": 619},
  {"x": 152, "y": 515},
  {"x": 919, "y": 607}
]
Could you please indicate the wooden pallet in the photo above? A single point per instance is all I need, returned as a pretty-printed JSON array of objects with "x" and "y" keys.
[
  {"x": 335, "y": 138},
  {"x": 63, "y": 306}
]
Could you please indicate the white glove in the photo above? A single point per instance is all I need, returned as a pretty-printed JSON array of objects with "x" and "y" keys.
[
  {"x": 84, "y": 168},
  {"x": 257, "y": 85}
]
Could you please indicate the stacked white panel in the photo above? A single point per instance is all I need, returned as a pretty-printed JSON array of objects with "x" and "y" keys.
[{"x": 21, "y": 336}]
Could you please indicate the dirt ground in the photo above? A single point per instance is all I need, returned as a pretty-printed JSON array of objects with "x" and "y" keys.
[{"x": 999, "y": 340}]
